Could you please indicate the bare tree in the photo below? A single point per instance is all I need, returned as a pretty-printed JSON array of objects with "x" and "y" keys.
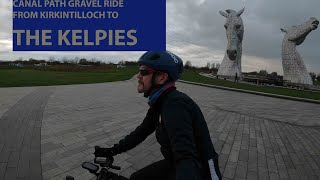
[
  {"x": 213, "y": 65},
  {"x": 187, "y": 65},
  {"x": 65, "y": 60},
  {"x": 51, "y": 59},
  {"x": 263, "y": 72},
  {"x": 208, "y": 65},
  {"x": 313, "y": 76},
  {"x": 76, "y": 60},
  {"x": 95, "y": 61},
  {"x": 274, "y": 74},
  {"x": 83, "y": 61},
  {"x": 217, "y": 65}
]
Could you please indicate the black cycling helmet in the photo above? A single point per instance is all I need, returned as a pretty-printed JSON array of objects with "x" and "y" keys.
[{"x": 163, "y": 61}]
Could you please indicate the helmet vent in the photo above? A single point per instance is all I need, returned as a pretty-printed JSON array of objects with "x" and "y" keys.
[{"x": 155, "y": 57}]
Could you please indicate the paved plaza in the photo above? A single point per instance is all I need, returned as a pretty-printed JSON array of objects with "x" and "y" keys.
[{"x": 47, "y": 132}]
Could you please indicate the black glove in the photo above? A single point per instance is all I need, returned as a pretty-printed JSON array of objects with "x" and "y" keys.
[
  {"x": 112, "y": 175},
  {"x": 103, "y": 152}
]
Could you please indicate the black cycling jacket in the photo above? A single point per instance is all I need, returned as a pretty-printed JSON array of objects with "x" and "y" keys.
[{"x": 182, "y": 132}]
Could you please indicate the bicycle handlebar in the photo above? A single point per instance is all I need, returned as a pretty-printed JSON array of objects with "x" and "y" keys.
[{"x": 106, "y": 162}]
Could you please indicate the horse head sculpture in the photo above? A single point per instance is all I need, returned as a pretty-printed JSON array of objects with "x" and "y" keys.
[
  {"x": 294, "y": 69},
  {"x": 231, "y": 64}
]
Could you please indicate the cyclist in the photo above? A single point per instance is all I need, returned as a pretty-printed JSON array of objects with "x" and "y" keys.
[{"x": 178, "y": 122}]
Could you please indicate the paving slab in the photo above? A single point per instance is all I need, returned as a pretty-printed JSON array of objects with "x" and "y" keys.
[
  {"x": 10, "y": 96},
  {"x": 20, "y": 133}
]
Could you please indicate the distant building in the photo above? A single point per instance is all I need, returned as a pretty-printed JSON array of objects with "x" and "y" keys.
[
  {"x": 41, "y": 64},
  {"x": 16, "y": 64},
  {"x": 254, "y": 77}
]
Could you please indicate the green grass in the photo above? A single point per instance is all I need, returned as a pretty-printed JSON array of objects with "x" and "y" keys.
[
  {"x": 29, "y": 77},
  {"x": 195, "y": 77},
  {"x": 19, "y": 77}
]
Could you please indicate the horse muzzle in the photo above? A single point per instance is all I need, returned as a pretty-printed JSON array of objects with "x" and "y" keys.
[{"x": 314, "y": 24}]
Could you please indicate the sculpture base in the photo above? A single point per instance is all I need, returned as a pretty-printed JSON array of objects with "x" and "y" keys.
[{"x": 298, "y": 79}]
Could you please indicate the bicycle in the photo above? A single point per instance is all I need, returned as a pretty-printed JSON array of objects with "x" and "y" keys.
[{"x": 103, "y": 164}]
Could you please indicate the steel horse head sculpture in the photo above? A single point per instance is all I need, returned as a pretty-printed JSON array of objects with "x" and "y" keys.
[
  {"x": 294, "y": 69},
  {"x": 231, "y": 63}
]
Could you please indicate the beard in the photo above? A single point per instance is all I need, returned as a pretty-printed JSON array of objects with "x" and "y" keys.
[{"x": 140, "y": 87}]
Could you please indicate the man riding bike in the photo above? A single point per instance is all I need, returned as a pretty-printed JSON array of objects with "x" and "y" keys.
[{"x": 180, "y": 127}]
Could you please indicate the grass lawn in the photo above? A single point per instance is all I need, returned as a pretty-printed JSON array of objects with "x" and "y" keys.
[
  {"x": 195, "y": 77},
  {"x": 29, "y": 77}
]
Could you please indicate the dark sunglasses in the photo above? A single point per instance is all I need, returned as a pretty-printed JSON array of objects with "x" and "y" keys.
[{"x": 146, "y": 71}]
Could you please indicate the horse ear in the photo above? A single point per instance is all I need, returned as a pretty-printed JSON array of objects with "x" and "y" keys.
[
  {"x": 240, "y": 12},
  {"x": 283, "y": 30},
  {"x": 223, "y": 14}
]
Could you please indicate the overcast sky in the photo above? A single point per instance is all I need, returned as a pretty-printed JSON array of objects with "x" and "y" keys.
[{"x": 195, "y": 32}]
